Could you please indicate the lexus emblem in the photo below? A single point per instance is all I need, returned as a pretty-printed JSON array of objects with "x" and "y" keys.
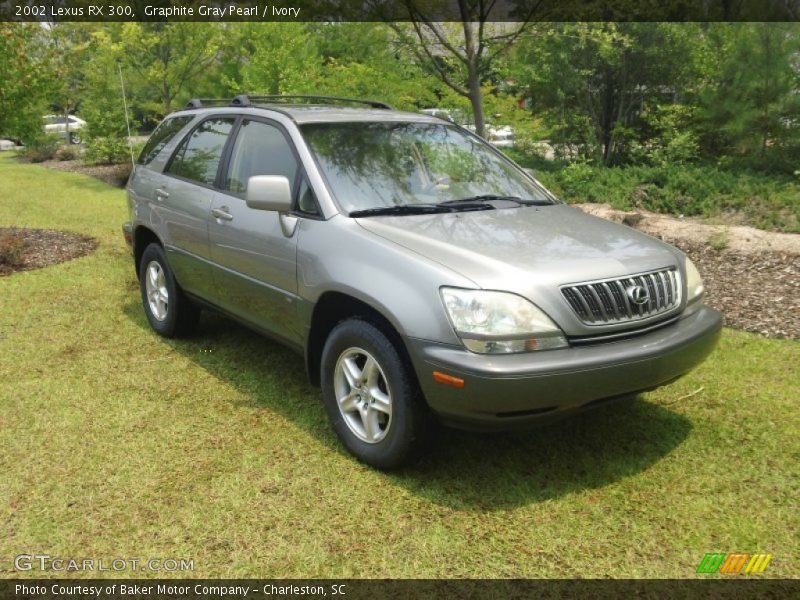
[{"x": 638, "y": 294}]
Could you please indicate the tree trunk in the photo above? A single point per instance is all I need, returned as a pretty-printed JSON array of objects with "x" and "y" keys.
[
  {"x": 476, "y": 100},
  {"x": 609, "y": 119},
  {"x": 166, "y": 98}
]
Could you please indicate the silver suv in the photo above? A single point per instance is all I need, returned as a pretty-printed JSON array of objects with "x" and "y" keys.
[{"x": 423, "y": 276}]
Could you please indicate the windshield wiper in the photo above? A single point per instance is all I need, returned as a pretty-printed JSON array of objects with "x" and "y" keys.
[
  {"x": 401, "y": 209},
  {"x": 484, "y": 198}
]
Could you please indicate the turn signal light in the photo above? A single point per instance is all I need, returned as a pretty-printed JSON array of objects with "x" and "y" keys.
[{"x": 446, "y": 379}]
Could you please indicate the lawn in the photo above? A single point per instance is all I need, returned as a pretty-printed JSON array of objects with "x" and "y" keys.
[{"x": 116, "y": 443}]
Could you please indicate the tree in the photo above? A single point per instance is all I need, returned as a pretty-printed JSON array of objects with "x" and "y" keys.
[
  {"x": 67, "y": 50},
  {"x": 168, "y": 59},
  {"x": 282, "y": 58},
  {"x": 460, "y": 54},
  {"x": 23, "y": 76},
  {"x": 357, "y": 60},
  {"x": 592, "y": 80},
  {"x": 102, "y": 104},
  {"x": 750, "y": 99},
  {"x": 364, "y": 60}
]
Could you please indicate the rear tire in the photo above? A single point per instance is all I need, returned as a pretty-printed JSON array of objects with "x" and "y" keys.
[
  {"x": 372, "y": 397},
  {"x": 169, "y": 311}
]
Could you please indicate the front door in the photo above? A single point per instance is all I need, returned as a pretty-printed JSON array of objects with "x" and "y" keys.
[{"x": 254, "y": 256}]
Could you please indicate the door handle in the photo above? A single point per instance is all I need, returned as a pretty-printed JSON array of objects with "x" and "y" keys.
[
  {"x": 222, "y": 214},
  {"x": 161, "y": 194}
]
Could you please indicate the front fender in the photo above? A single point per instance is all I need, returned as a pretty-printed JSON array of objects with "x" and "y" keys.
[{"x": 339, "y": 256}]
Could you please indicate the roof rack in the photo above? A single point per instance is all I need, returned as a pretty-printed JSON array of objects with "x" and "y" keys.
[
  {"x": 248, "y": 100},
  {"x": 317, "y": 99}
]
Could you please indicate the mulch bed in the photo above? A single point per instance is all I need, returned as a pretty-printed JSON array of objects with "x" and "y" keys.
[
  {"x": 45, "y": 247},
  {"x": 756, "y": 292},
  {"x": 116, "y": 175}
]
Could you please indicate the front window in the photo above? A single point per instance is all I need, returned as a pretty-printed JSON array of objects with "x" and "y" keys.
[{"x": 373, "y": 165}]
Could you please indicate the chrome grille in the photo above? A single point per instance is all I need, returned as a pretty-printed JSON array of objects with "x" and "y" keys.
[{"x": 609, "y": 300}]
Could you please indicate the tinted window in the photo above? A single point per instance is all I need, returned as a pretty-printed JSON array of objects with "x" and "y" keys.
[
  {"x": 199, "y": 155},
  {"x": 259, "y": 149},
  {"x": 161, "y": 137}
]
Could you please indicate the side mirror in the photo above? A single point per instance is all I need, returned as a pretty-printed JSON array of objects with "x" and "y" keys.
[{"x": 269, "y": 192}]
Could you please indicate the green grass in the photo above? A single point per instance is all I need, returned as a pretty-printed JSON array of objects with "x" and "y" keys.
[
  {"x": 765, "y": 201},
  {"x": 116, "y": 443}
]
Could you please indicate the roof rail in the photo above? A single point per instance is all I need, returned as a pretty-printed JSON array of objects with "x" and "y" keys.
[
  {"x": 317, "y": 99},
  {"x": 248, "y": 100}
]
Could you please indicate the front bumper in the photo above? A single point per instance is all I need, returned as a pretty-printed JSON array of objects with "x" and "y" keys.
[{"x": 508, "y": 391}]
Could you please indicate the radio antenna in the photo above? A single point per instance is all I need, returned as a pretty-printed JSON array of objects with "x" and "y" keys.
[{"x": 127, "y": 120}]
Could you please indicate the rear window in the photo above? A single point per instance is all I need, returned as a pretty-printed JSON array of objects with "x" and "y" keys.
[
  {"x": 200, "y": 153},
  {"x": 161, "y": 137}
]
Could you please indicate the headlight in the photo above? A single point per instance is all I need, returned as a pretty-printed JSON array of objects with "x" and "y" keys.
[
  {"x": 694, "y": 283},
  {"x": 499, "y": 322}
]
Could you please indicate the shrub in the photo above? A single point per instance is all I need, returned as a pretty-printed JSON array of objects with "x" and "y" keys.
[
  {"x": 68, "y": 152},
  {"x": 43, "y": 148},
  {"x": 137, "y": 148},
  {"x": 765, "y": 201},
  {"x": 12, "y": 247},
  {"x": 106, "y": 151}
]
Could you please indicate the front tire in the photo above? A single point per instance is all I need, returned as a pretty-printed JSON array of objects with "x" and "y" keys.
[
  {"x": 372, "y": 397},
  {"x": 74, "y": 138},
  {"x": 169, "y": 311}
]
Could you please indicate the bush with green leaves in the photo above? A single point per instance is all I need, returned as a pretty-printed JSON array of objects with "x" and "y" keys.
[
  {"x": 770, "y": 202},
  {"x": 43, "y": 147},
  {"x": 106, "y": 151}
]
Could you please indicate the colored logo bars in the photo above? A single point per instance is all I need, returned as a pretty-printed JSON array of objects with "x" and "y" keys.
[{"x": 734, "y": 563}]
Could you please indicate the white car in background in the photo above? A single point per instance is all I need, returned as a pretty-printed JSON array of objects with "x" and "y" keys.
[
  {"x": 58, "y": 124},
  {"x": 501, "y": 136}
]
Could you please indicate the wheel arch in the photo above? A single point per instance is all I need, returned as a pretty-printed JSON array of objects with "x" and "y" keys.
[
  {"x": 142, "y": 237},
  {"x": 331, "y": 309}
]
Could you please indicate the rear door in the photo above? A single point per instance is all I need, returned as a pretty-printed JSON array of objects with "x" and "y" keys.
[
  {"x": 255, "y": 251},
  {"x": 184, "y": 198}
]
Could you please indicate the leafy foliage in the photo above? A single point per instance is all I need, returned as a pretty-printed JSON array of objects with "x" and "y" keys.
[
  {"x": 748, "y": 197},
  {"x": 718, "y": 98},
  {"x": 43, "y": 147},
  {"x": 106, "y": 151},
  {"x": 22, "y": 81},
  {"x": 591, "y": 80},
  {"x": 750, "y": 105}
]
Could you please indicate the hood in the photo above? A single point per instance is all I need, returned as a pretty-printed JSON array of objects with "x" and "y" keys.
[{"x": 523, "y": 248}]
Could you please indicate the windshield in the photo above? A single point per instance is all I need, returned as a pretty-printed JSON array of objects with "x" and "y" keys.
[{"x": 373, "y": 165}]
